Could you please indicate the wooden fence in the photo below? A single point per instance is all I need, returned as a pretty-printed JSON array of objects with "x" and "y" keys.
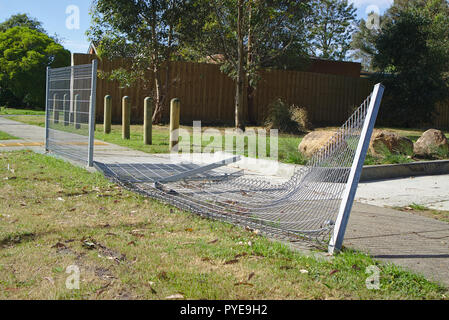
[{"x": 208, "y": 95}]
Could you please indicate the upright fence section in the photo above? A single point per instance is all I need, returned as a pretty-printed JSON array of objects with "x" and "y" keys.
[{"x": 70, "y": 112}]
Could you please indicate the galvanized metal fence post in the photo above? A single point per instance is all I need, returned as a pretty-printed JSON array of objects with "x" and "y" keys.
[
  {"x": 354, "y": 177},
  {"x": 47, "y": 113},
  {"x": 90, "y": 161}
]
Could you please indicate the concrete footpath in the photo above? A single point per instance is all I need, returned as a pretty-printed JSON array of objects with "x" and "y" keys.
[{"x": 417, "y": 243}]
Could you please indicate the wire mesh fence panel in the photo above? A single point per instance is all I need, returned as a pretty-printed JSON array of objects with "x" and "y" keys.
[
  {"x": 70, "y": 111},
  {"x": 314, "y": 203}
]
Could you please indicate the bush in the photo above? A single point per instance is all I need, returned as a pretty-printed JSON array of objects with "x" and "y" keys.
[{"x": 287, "y": 119}]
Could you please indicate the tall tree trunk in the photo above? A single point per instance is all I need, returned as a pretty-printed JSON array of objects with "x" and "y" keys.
[
  {"x": 239, "y": 100},
  {"x": 249, "y": 88},
  {"x": 158, "y": 106}
]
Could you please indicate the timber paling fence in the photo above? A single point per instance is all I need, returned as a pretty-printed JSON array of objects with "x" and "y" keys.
[{"x": 208, "y": 95}]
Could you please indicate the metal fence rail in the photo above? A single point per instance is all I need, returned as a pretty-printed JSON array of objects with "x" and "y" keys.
[
  {"x": 315, "y": 203},
  {"x": 70, "y": 111}
]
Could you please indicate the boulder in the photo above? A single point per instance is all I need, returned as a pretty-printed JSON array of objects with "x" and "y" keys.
[
  {"x": 314, "y": 141},
  {"x": 383, "y": 140},
  {"x": 432, "y": 144}
]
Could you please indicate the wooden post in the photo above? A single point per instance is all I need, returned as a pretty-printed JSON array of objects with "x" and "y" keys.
[
  {"x": 107, "y": 114},
  {"x": 175, "y": 109},
  {"x": 126, "y": 118},
  {"x": 66, "y": 109},
  {"x": 77, "y": 112},
  {"x": 148, "y": 122},
  {"x": 55, "y": 109}
]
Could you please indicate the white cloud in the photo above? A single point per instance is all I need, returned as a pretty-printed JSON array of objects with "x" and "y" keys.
[
  {"x": 76, "y": 46},
  {"x": 382, "y": 4}
]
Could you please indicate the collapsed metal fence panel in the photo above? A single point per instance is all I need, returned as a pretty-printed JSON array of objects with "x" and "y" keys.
[
  {"x": 314, "y": 204},
  {"x": 70, "y": 112}
]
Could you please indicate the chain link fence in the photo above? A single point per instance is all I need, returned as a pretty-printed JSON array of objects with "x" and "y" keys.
[{"x": 70, "y": 112}]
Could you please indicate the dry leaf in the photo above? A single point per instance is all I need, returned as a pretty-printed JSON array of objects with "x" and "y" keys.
[
  {"x": 59, "y": 245},
  {"x": 50, "y": 279},
  {"x": 333, "y": 272},
  {"x": 163, "y": 275},
  {"x": 232, "y": 261}
]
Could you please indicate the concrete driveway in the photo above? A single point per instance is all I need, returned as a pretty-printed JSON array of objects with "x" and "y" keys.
[{"x": 429, "y": 191}]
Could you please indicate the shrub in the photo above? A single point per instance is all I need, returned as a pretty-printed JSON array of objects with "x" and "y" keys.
[{"x": 287, "y": 119}]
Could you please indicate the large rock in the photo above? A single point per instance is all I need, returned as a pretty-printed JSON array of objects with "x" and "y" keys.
[
  {"x": 314, "y": 141},
  {"x": 382, "y": 141},
  {"x": 432, "y": 144}
]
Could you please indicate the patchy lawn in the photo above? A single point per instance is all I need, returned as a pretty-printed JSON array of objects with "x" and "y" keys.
[
  {"x": 288, "y": 144},
  {"x": 426, "y": 212},
  {"x": 5, "y": 136},
  {"x": 13, "y": 111},
  {"x": 55, "y": 215}
]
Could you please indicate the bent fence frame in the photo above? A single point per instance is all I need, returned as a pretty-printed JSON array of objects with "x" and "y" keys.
[
  {"x": 338, "y": 235},
  {"x": 315, "y": 203},
  {"x": 71, "y": 91}
]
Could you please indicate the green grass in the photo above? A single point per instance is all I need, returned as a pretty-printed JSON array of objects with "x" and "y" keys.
[
  {"x": 13, "y": 111},
  {"x": 5, "y": 136},
  {"x": 55, "y": 215},
  {"x": 414, "y": 208},
  {"x": 287, "y": 152},
  {"x": 288, "y": 144}
]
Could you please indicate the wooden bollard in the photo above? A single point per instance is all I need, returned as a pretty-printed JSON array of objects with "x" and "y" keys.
[
  {"x": 148, "y": 121},
  {"x": 107, "y": 114},
  {"x": 126, "y": 118},
  {"x": 77, "y": 112},
  {"x": 66, "y": 109},
  {"x": 55, "y": 109},
  {"x": 175, "y": 109}
]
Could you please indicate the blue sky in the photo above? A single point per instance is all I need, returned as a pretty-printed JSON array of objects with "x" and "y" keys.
[{"x": 52, "y": 13}]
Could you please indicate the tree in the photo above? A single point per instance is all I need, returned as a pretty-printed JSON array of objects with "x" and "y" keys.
[
  {"x": 364, "y": 38},
  {"x": 330, "y": 28},
  {"x": 413, "y": 49},
  {"x": 22, "y": 20},
  {"x": 244, "y": 36},
  {"x": 24, "y": 56},
  {"x": 143, "y": 29}
]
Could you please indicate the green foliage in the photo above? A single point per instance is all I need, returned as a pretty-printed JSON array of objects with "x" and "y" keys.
[
  {"x": 24, "y": 56},
  {"x": 411, "y": 50},
  {"x": 22, "y": 20},
  {"x": 330, "y": 29},
  {"x": 273, "y": 32},
  {"x": 141, "y": 30}
]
